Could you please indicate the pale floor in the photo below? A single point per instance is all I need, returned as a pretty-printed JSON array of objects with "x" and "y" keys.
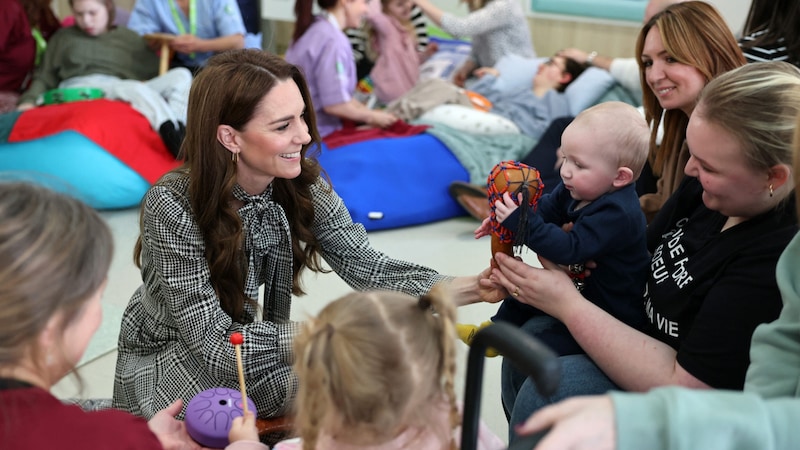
[{"x": 446, "y": 246}]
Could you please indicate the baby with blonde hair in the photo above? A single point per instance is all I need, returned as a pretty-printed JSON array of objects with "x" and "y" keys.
[{"x": 376, "y": 371}]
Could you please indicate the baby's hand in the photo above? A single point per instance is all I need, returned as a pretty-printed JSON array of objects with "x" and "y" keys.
[
  {"x": 244, "y": 428},
  {"x": 503, "y": 208},
  {"x": 484, "y": 229}
]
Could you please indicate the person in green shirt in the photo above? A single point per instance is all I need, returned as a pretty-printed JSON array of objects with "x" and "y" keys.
[{"x": 96, "y": 54}]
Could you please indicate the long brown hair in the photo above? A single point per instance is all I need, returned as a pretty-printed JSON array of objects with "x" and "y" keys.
[
  {"x": 41, "y": 17},
  {"x": 779, "y": 20},
  {"x": 694, "y": 33},
  {"x": 227, "y": 91}
]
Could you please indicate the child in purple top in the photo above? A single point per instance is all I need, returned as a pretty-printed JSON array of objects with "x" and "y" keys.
[{"x": 321, "y": 49}]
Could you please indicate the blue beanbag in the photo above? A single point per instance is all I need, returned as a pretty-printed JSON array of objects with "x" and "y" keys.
[
  {"x": 395, "y": 182},
  {"x": 71, "y": 163}
]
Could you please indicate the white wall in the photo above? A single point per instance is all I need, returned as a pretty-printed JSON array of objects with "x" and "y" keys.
[
  {"x": 734, "y": 11},
  {"x": 284, "y": 9}
]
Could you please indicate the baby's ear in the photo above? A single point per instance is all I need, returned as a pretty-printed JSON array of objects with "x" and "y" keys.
[{"x": 624, "y": 177}]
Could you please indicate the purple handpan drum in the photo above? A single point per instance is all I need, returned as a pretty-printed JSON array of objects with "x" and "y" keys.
[{"x": 210, "y": 413}]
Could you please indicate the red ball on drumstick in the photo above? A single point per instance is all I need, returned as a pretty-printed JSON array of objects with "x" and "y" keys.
[{"x": 237, "y": 340}]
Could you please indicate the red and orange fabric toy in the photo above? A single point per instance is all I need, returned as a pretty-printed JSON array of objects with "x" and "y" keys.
[{"x": 515, "y": 178}]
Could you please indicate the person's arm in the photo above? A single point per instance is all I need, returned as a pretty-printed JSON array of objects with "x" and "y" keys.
[
  {"x": 243, "y": 434},
  {"x": 187, "y": 43},
  {"x": 775, "y": 352},
  {"x": 329, "y": 76},
  {"x": 591, "y": 58},
  {"x": 590, "y": 237},
  {"x": 377, "y": 18},
  {"x": 626, "y": 72},
  {"x": 632, "y": 359},
  {"x": 358, "y": 112},
  {"x": 464, "y": 71},
  {"x": 171, "y": 432},
  {"x": 493, "y": 16},
  {"x": 432, "y": 11},
  {"x": 346, "y": 249},
  {"x": 668, "y": 418}
]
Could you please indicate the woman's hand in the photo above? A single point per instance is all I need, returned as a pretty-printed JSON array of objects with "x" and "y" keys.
[
  {"x": 490, "y": 291},
  {"x": 549, "y": 289},
  {"x": 578, "y": 423},
  {"x": 170, "y": 431},
  {"x": 186, "y": 43},
  {"x": 244, "y": 428},
  {"x": 574, "y": 53},
  {"x": 25, "y": 106}
]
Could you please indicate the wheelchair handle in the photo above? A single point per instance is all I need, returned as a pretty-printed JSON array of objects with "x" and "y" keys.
[{"x": 527, "y": 353}]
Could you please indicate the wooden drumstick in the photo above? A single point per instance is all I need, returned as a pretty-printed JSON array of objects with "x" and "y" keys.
[{"x": 237, "y": 340}]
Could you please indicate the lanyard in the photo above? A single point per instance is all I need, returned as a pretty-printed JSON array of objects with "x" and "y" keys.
[
  {"x": 192, "y": 18},
  {"x": 41, "y": 44}
]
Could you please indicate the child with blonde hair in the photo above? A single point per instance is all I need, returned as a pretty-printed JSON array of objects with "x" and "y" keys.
[{"x": 376, "y": 371}]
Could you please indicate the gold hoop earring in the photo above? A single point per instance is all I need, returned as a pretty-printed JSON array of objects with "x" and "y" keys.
[
  {"x": 235, "y": 157},
  {"x": 771, "y": 192}
]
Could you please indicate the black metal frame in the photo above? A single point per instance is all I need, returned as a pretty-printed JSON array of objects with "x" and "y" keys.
[{"x": 527, "y": 353}]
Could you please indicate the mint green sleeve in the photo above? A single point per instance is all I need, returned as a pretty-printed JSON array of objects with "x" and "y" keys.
[
  {"x": 675, "y": 418},
  {"x": 775, "y": 350}
]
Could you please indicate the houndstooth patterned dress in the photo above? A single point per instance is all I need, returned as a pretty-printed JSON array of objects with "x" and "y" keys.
[{"x": 174, "y": 337}]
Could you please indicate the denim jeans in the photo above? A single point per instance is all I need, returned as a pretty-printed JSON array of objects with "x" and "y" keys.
[{"x": 579, "y": 376}]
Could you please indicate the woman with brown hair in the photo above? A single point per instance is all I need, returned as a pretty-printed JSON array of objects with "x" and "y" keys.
[
  {"x": 248, "y": 211},
  {"x": 674, "y": 66}
]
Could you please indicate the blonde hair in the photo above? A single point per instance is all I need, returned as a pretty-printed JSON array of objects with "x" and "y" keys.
[
  {"x": 628, "y": 135},
  {"x": 758, "y": 104},
  {"x": 372, "y": 363},
  {"x": 55, "y": 252},
  {"x": 694, "y": 33}
]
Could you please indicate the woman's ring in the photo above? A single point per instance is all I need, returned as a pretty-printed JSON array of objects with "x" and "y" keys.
[{"x": 516, "y": 292}]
